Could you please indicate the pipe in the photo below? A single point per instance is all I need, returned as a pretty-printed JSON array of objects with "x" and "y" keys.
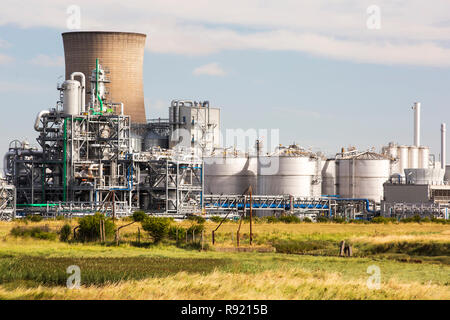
[
  {"x": 416, "y": 109},
  {"x": 443, "y": 146},
  {"x": 83, "y": 88},
  {"x": 96, "y": 85},
  {"x": 38, "y": 119}
]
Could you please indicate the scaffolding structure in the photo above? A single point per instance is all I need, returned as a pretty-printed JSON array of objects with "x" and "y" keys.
[{"x": 7, "y": 201}]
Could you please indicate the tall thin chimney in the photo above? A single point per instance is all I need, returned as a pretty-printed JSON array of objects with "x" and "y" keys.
[
  {"x": 443, "y": 147},
  {"x": 416, "y": 108}
]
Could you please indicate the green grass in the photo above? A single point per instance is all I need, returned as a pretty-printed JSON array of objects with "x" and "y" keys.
[{"x": 99, "y": 271}]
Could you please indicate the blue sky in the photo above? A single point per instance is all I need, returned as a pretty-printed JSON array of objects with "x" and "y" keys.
[{"x": 315, "y": 72}]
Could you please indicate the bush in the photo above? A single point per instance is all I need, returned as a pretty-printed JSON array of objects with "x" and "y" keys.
[
  {"x": 216, "y": 219},
  {"x": 307, "y": 220},
  {"x": 383, "y": 220},
  {"x": 173, "y": 230},
  {"x": 197, "y": 219},
  {"x": 322, "y": 219},
  {"x": 158, "y": 228},
  {"x": 139, "y": 216},
  {"x": 338, "y": 220},
  {"x": 289, "y": 219},
  {"x": 271, "y": 219},
  {"x": 89, "y": 227},
  {"x": 65, "y": 232},
  {"x": 42, "y": 232},
  {"x": 34, "y": 217},
  {"x": 196, "y": 229}
]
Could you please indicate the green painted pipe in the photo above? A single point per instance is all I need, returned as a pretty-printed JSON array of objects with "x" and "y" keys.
[{"x": 96, "y": 86}]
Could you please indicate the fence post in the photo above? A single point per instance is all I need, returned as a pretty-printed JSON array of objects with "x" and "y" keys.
[
  {"x": 212, "y": 237},
  {"x": 203, "y": 231}
]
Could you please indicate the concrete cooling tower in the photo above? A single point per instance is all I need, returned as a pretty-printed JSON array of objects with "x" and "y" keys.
[{"x": 122, "y": 53}]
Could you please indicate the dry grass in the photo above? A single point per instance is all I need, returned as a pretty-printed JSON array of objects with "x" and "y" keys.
[{"x": 281, "y": 284}]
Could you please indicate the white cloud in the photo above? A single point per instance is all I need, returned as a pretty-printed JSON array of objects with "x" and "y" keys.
[
  {"x": 4, "y": 59},
  {"x": 412, "y": 32},
  {"x": 44, "y": 60},
  {"x": 210, "y": 69}
]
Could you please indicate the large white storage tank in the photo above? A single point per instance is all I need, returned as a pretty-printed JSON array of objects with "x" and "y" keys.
[
  {"x": 71, "y": 97},
  {"x": 424, "y": 155},
  {"x": 292, "y": 171},
  {"x": 403, "y": 154},
  {"x": 329, "y": 177},
  {"x": 362, "y": 175},
  {"x": 229, "y": 174},
  {"x": 413, "y": 157}
]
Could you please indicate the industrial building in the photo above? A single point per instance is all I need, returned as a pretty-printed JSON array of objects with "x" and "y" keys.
[{"x": 98, "y": 152}]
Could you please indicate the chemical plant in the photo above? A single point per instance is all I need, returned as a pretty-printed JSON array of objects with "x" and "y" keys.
[{"x": 98, "y": 154}]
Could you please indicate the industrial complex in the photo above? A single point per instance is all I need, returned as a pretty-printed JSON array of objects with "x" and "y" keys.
[{"x": 98, "y": 153}]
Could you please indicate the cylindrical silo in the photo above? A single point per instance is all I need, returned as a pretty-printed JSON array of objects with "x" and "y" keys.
[
  {"x": 403, "y": 158},
  {"x": 424, "y": 154},
  {"x": 71, "y": 97},
  {"x": 286, "y": 174},
  {"x": 329, "y": 177},
  {"x": 229, "y": 174},
  {"x": 413, "y": 157},
  {"x": 362, "y": 176},
  {"x": 122, "y": 53}
]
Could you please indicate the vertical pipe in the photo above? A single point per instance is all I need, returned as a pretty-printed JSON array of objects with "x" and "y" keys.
[
  {"x": 443, "y": 146},
  {"x": 416, "y": 108}
]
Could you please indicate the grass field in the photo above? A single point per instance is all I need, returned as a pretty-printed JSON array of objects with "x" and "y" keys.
[{"x": 301, "y": 262}]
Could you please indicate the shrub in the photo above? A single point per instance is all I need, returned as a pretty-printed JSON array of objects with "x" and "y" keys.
[
  {"x": 307, "y": 220},
  {"x": 415, "y": 219},
  {"x": 139, "y": 216},
  {"x": 89, "y": 227},
  {"x": 196, "y": 229},
  {"x": 383, "y": 220},
  {"x": 42, "y": 232},
  {"x": 216, "y": 219},
  {"x": 271, "y": 219},
  {"x": 322, "y": 219},
  {"x": 34, "y": 217},
  {"x": 338, "y": 220},
  {"x": 174, "y": 230},
  {"x": 197, "y": 219},
  {"x": 158, "y": 228},
  {"x": 289, "y": 219},
  {"x": 65, "y": 232}
]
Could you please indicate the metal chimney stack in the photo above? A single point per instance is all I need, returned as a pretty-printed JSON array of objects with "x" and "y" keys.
[
  {"x": 416, "y": 108},
  {"x": 443, "y": 147}
]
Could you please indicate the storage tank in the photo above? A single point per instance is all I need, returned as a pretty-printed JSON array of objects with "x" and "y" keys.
[
  {"x": 413, "y": 157},
  {"x": 291, "y": 171},
  {"x": 362, "y": 176},
  {"x": 71, "y": 97},
  {"x": 229, "y": 174},
  {"x": 403, "y": 154},
  {"x": 329, "y": 177},
  {"x": 122, "y": 53},
  {"x": 424, "y": 155}
]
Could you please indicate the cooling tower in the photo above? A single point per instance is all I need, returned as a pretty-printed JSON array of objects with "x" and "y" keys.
[{"x": 122, "y": 53}]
